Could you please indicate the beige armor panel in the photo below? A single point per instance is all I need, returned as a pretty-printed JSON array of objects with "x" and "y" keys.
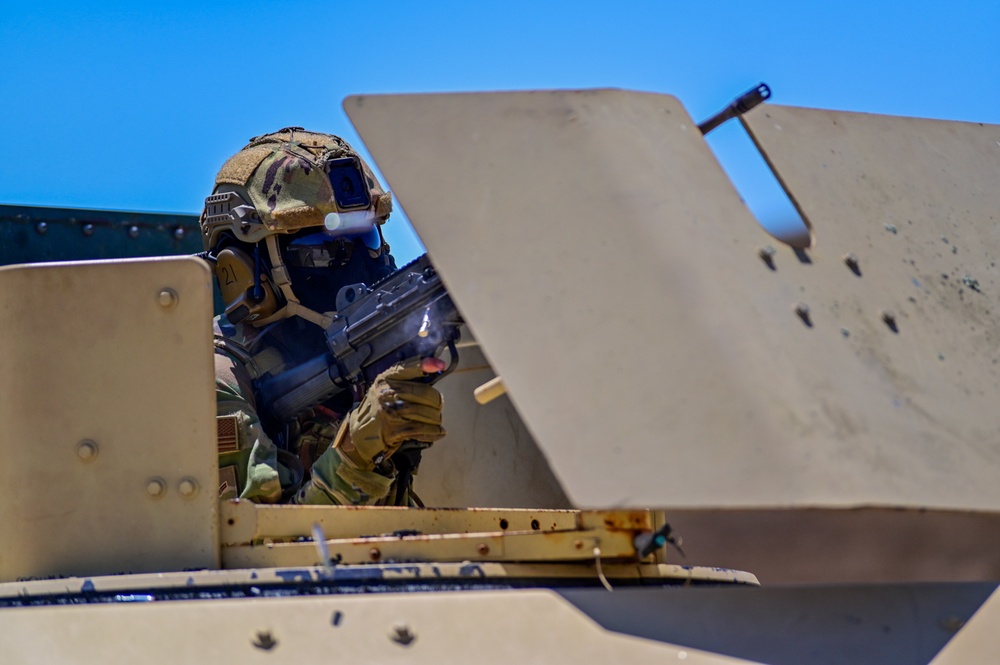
[
  {"x": 664, "y": 350},
  {"x": 108, "y": 410}
]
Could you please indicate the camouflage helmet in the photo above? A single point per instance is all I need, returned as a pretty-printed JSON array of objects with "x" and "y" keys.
[
  {"x": 282, "y": 183},
  {"x": 289, "y": 180}
]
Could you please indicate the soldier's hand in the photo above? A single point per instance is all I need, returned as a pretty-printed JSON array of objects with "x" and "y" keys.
[{"x": 395, "y": 409}]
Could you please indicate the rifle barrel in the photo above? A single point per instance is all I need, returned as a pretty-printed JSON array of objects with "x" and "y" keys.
[{"x": 737, "y": 107}]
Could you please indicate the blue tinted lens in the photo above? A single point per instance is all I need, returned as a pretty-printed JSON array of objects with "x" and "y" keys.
[
  {"x": 325, "y": 250},
  {"x": 371, "y": 238}
]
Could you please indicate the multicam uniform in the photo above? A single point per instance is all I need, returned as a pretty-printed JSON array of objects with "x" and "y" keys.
[
  {"x": 293, "y": 218},
  {"x": 249, "y": 465}
]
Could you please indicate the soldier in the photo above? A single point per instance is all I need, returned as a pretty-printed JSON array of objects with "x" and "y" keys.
[{"x": 296, "y": 215}]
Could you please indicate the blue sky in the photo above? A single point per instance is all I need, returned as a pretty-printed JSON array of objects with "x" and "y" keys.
[{"x": 134, "y": 106}]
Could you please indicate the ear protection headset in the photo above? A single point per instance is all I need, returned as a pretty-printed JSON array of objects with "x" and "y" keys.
[{"x": 246, "y": 288}]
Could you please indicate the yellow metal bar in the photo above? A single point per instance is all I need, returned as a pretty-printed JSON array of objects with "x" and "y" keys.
[{"x": 243, "y": 522}]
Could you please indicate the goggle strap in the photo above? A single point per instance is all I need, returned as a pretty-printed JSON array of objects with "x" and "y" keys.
[{"x": 279, "y": 275}]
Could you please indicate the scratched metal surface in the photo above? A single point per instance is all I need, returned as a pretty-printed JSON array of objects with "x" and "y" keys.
[
  {"x": 902, "y": 372},
  {"x": 615, "y": 281}
]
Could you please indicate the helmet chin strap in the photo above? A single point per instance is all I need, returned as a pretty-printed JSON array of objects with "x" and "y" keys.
[{"x": 279, "y": 275}]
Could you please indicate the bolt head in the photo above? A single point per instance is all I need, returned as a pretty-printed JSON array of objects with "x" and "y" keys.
[
  {"x": 156, "y": 487},
  {"x": 133, "y": 231},
  {"x": 42, "y": 228},
  {"x": 86, "y": 450},
  {"x": 179, "y": 233},
  {"x": 167, "y": 298},
  {"x": 188, "y": 487},
  {"x": 88, "y": 229},
  {"x": 483, "y": 549},
  {"x": 374, "y": 554}
]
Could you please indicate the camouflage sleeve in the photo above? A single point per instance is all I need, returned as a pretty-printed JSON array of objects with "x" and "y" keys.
[
  {"x": 257, "y": 457},
  {"x": 335, "y": 480}
]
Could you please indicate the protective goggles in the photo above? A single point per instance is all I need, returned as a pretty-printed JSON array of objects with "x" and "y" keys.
[{"x": 324, "y": 249}]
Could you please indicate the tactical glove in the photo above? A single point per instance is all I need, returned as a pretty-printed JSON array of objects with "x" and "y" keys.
[{"x": 395, "y": 409}]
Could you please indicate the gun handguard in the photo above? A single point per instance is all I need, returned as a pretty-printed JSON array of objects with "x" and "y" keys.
[{"x": 407, "y": 315}]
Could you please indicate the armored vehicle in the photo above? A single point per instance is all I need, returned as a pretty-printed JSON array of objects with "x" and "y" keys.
[{"x": 819, "y": 414}]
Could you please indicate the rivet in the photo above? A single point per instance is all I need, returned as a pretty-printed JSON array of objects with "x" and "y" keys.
[
  {"x": 155, "y": 487},
  {"x": 483, "y": 549},
  {"x": 401, "y": 635},
  {"x": 374, "y": 554},
  {"x": 86, "y": 450},
  {"x": 179, "y": 233},
  {"x": 88, "y": 229},
  {"x": 133, "y": 231},
  {"x": 188, "y": 487},
  {"x": 167, "y": 298},
  {"x": 41, "y": 228}
]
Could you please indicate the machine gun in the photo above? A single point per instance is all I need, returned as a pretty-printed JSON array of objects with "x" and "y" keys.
[{"x": 407, "y": 315}]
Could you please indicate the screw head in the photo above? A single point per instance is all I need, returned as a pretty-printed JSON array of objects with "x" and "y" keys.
[
  {"x": 179, "y": 233},
  {"x": 86, "y": 450},
  {"x": 483, "y": 549},
  {"x": 188, "y": 487},
  {"x": 88, "y": 229},
  {"x": 374, "y": 554},
  {"x": 41, "y": 228},
  {"x": 156, "y": 487},
  {"x": 167, "y": 298},
  {"x": 133, "y": 231}
]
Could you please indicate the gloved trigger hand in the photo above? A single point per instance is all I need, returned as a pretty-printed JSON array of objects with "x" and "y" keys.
[{"x": 395, "y": 409}]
